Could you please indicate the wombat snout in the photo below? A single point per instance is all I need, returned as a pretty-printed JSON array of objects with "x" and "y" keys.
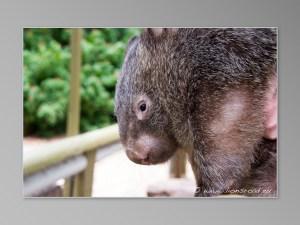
[
  {"x": 139, "y": 156},
  {"x": 148, "y": 150}
]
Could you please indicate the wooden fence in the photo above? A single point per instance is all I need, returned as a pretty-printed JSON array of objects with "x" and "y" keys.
[{"x": 49, "y": 156}]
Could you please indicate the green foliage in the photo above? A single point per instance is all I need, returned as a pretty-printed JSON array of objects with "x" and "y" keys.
[{"x": 46, "y": 59}]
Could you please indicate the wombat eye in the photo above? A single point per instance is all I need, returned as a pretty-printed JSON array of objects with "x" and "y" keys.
[{"x": 143, "y": 107}]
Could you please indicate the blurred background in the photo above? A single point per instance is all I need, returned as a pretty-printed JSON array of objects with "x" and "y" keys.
[
  {"x": 70, "y": 145},
  {"x": 46, "y": 77}
]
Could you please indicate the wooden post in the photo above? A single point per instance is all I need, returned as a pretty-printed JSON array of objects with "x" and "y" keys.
[
  {"x": 74, "y": 96},
  {"x": 73, "y": 119},
  {"x": 178, "y": 164},
  {"x": 89, "y": 173},
  {"x": 83, "y": 182},
  {"x": 67, "y": 187}
]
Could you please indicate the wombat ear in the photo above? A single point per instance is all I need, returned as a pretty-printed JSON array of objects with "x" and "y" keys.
[{"x": 156, "y": 32}]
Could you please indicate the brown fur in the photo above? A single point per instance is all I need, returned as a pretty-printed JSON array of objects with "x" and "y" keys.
[{"x": 191, "y": 79}]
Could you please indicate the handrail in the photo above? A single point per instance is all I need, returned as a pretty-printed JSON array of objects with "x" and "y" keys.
[
  {"x": 41, "y": 181},
  {"x": 53, "y": 153}
]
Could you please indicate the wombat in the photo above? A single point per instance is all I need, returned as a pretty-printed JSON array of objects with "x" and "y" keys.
[{"x": 210, "y": 91}]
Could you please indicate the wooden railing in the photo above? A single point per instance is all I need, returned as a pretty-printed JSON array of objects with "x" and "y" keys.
[
  {"x": 73, "y": 159},
  {"x": 45, "y": 158},
  {"x": 53, "y": 153}
]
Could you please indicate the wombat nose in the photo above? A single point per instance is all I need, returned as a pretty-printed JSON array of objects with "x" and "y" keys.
[{"x": 138, "y": 156}]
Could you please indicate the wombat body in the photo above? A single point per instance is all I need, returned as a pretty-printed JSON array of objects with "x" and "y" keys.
[{"x": 210, "y": 91}]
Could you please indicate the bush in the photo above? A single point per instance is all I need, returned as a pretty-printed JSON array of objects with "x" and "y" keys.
[{"x": 46, "y": 59}]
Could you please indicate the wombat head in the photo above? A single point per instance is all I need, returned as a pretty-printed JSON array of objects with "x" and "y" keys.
[{"x": 145, "y": 127}]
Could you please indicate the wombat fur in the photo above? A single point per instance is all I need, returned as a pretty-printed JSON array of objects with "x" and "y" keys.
[{"x": 203, "y": 90}]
